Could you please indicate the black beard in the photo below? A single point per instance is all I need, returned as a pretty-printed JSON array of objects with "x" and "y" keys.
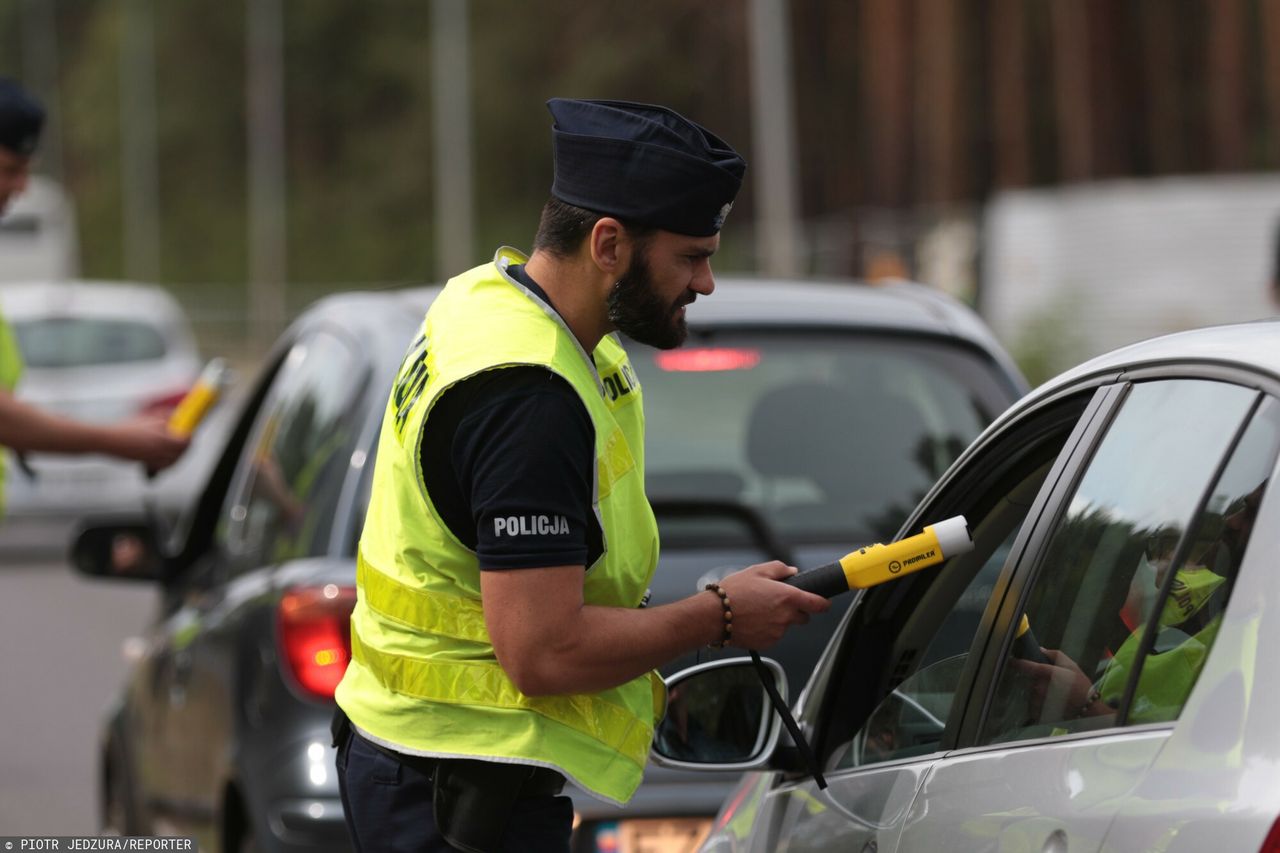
[{"x": 636, "y": 310}]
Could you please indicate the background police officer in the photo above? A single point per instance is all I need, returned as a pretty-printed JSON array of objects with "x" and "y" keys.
[
  {"x": 499, "y": 644},
  {"x": 24, "y": 427}
]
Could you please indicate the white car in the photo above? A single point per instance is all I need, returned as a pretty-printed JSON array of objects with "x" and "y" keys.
[
  {"x": 1098, "y": 674},
  {"x": 97, "y": 352}
]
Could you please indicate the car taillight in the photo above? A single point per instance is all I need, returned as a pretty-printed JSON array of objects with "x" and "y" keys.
[
  {"x": 1272, "y": 842},
  {"x": 315, "y": 635},
  {"x": 163, "y": 405}
]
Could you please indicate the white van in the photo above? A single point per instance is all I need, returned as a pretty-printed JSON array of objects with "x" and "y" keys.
[{"x": 1071, "y": 272}]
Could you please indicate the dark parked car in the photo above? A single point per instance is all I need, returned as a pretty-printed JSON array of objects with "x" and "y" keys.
[
  {"x": 1125, "y": 528},
  {"x": 799, "y": 420}
]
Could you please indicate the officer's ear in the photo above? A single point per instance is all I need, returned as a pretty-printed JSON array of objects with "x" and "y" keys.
[{"x": 609, "y": 246}]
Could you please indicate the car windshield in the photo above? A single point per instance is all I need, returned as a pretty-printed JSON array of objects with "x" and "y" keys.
[
  {"x": 829, "y": 437},
  {"x": 86, "y": 341}
]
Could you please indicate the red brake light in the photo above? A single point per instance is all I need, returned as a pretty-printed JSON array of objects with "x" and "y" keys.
[
  {"x": 162, "y": 406},
  {"x": 707, "y": 359},
  {"x": 315, "y": 635},
  {"x": 1272, "y": 842}
]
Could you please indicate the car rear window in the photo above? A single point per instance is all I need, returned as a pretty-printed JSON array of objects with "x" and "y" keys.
[
  {"x": 81, "y": 341},
  {"x": 829, "y": 437}
]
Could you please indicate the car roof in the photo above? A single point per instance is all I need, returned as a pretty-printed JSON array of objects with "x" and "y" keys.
[
  {"x": 891, "y": 305},
  {"x": 894, "y": 306},
  {"x": 1253, "y": 346},
  {"x": 127, "y": 300},
  {"x": 368, "y": 311}
]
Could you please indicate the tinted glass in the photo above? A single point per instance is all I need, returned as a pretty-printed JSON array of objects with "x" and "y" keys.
[
  {"x": 81, "y": 342},
  {"x": 830, "y": 437},
  {"x": 294, "y": 464},
  {"x": 1193, "y": 587},
  {"x": 1107, "y": 562}
]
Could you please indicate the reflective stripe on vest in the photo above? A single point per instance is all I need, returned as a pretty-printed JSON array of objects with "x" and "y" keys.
[
  {"x": 485, "y": 683},
  {"x": 446, "y": 615}
]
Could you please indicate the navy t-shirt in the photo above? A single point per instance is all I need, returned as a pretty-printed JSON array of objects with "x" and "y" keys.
[{"x": 508, "y": 457}]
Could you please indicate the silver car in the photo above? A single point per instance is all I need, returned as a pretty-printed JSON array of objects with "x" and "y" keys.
[
  {"x": 97, "y": 352},
  {"x": 1096, "y": 675}
]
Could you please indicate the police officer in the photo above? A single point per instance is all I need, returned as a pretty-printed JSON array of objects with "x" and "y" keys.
[
  {"x": 24, "y": 427},
  {"x": 499, "y": 643}
]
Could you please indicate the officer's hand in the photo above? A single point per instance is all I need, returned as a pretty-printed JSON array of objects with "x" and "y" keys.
[
  {"x": 148, "y": 440},
  {"x": 764, "y": 607}
]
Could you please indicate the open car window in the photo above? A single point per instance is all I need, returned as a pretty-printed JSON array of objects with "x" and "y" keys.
[
  {"x": 898, "y": 686},
  {"x": 912, "y": 716}
]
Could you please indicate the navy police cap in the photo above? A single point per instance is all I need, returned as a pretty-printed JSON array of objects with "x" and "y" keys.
[
  {"x": 21, "y": 118},
  {"x": 643, "y": 164}
]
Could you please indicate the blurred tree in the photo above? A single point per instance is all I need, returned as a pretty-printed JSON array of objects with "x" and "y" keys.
[{"x": 905, "y": 110}]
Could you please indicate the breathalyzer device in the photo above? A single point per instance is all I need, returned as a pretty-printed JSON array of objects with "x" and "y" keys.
[
  {"x": 195, "y": 405},
  {"x": 876, "y": 564}
]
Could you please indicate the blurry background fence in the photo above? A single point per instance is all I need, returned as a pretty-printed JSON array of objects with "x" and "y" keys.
[{"x": 182, "y": 130}]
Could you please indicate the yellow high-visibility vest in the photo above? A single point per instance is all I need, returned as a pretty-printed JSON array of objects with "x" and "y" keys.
[
  {"x": 10, "y": 373},
  {"x": 423, "y": 678}
]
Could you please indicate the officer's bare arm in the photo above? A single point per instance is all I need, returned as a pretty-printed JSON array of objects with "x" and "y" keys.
[
  {"x": 549, "y": 642},
  {"x": 24, "y": 427}
]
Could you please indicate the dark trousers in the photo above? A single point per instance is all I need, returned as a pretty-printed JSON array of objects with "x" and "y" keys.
[{"x": 388, "y": 808}]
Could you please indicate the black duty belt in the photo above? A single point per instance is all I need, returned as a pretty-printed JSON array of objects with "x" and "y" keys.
[{"x": 532, "y": 780}]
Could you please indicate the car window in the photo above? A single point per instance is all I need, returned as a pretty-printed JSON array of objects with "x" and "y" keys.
[
  {"x": 86, "y": 341},
  {"x": 906, "y": 650},
  {"x": 292, "y": 467},
  {"x": 831, "y": 437},
  {"x": 912, "y": 716},
  {"x": 1127, "y": 598}
]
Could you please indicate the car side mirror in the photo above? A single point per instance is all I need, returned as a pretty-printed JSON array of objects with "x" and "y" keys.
[
  {"x": 123, "y": 547},
  {"x": 719, "y": 717}
]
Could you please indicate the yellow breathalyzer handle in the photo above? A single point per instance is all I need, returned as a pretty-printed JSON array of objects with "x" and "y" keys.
[
  {"x": 878, "y": 563},
  {"x": 197, "y": 402}
]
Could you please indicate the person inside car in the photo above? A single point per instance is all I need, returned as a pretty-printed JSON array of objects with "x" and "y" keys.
[{"x": 1186, "y": 628}]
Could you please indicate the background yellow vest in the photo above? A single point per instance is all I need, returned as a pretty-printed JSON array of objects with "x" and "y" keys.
[
  {"x": 423, "y": 677},
  {"x": 10, "y": 373}
]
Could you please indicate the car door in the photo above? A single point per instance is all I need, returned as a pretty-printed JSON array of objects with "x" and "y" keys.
[
  {"x": 280, "y": 506},
  {"x": 1122, "y": 580},
  {"x": 889, "y": 695}
]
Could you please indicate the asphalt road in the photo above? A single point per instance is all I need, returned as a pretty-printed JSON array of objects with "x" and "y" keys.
[{"x": 61, "y": 663}]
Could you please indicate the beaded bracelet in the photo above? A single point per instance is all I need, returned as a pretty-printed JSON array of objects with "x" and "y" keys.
[{"x": 727, "y": 633}]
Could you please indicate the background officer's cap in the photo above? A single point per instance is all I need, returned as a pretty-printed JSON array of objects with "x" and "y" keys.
[
  {"x": 21, "y": 118},
  {"x": 643, "y": 164}
]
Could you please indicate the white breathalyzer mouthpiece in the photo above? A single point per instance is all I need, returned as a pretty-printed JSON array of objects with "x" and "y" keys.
[{"x": 953, "y": 536}]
